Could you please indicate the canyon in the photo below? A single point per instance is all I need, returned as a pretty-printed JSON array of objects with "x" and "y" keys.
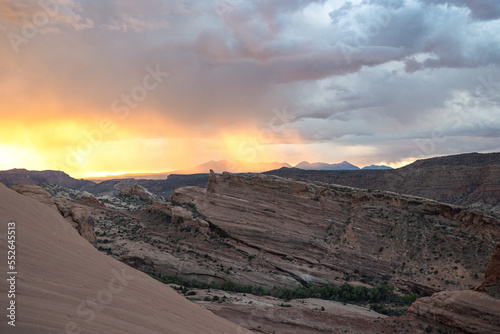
[{"x": 265, "y": 234}]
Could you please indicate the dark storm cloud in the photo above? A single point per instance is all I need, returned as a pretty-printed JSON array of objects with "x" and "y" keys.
[{"x": 480, "y": 9}]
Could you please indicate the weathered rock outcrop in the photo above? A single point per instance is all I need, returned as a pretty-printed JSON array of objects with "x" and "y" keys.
[
  {"x": 469, "y": 311},
  {"x": 463, "y": 179},
  {"x": 137, "y": 192},
  {"x": 36, "y": 193},
  {"x": 79, "y": 216},
  {"x": 269, "y": 231},
  {"x": 491, "y": 283}
]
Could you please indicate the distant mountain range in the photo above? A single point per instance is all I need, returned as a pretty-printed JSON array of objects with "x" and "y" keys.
[
  {"x": 325, "y": 166},
  {"x": 237, "y": 167},
  {"x": 340, "y": 166}
]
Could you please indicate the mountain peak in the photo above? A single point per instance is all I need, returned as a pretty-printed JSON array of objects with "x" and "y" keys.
[{"x": 345, "y": 165}]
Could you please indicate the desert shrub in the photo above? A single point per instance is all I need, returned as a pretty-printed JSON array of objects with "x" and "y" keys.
[
  {"x": 409, "y": 299},
  {"x": 378, "y": 308}
]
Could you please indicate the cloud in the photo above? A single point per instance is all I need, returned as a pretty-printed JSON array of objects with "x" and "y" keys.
[
  {"x": 431, "y": 27},
  {"x": 42, "y": 17},
  {"x": 480, "y": 9},
  {"x": 361, "y": 73}
]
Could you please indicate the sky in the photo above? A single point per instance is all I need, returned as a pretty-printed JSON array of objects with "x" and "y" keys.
[{"x": 103, "y": 87}]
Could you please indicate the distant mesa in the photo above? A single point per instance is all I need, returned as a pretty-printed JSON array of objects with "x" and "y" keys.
[
  {"x": 23, "y": 176},
  {"x": 376, "y": 167},
  {"x": 345, "y": 165}
]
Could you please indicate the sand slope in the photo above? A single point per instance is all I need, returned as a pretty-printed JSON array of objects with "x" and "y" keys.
[{"x": 64, "y": 285}]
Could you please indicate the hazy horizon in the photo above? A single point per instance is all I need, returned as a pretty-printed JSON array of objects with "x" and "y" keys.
[{"x": 156, "y": 86}]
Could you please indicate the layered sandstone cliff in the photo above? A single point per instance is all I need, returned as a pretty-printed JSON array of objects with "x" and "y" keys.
[
  {"x": 269, "y": 231},
  {"x": 465, "y": 179}
]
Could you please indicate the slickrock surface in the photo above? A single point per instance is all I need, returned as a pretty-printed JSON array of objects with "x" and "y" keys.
[
  {"x": 267, "y": 314},
  {"x": 263, "y": 314},
  {"x": 469, "y": 311},
  {"x": 65, "y": 284}
]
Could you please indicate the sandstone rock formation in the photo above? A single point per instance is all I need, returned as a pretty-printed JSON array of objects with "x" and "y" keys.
[
  {"x": 491, "y": 283},
  {"x": 36, "y": 193},
  {"x": 79, "y": 216},
  {"x": 269, "y": 231},
  {"x": 468, "y": 311},
  {"x": 137, "y": 192},
  {"x": 459, "y": 179}
]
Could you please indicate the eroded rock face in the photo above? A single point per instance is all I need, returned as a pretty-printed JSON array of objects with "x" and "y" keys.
[
  {"x": 491, "y": 283},
  {"x": 469, "y": 311},
  {"x": 80, "y": 216},
  {"x": 475, "y": 311},
  {"x": 493, "y": 270},
  {"x": 274, "y": 231},
  {"x": 269, "y": 231}
]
